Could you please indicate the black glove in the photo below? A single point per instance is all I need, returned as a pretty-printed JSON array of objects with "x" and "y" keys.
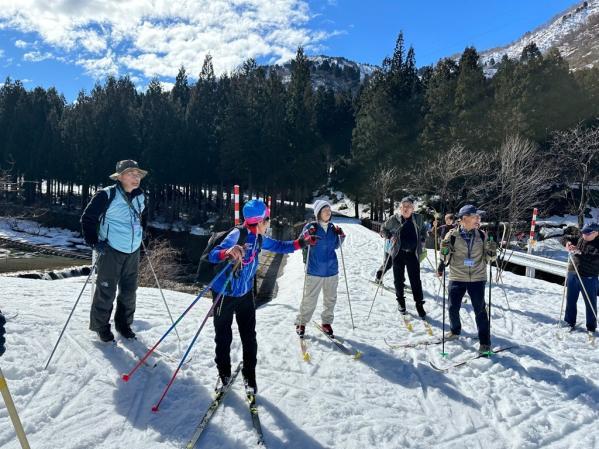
[
  {"x": 100, "y": 247},
  {"x": 440, "y": 269},
  {"x": 2, "y": 332},
  {"x": 339, "y": 231}
]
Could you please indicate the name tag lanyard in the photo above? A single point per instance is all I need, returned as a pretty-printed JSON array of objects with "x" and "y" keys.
[{"x": 469, "y": 262}]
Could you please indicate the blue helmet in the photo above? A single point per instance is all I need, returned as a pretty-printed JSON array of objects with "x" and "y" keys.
[{"x": 254, "y": 211}]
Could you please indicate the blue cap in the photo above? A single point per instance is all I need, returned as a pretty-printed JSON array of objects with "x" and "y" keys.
[
  {"x": 407, "y": 199},
  {"x": 591, "y": 227},
  {"x": 254, "y": 211},
  {"x": 469, "y": 209}
]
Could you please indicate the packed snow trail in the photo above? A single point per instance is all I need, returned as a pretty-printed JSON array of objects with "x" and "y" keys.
[{"x": 544, "y": 393}]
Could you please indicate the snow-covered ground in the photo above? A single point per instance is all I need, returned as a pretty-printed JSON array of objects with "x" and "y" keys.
[
  {"x": 28, "y": 231},
  {"x": 544, "y": 393}
]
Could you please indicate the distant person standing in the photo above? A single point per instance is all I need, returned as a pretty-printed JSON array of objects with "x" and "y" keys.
[
  {"x": 448, "y": 226},
  {"x": 112, "y": 225},
  {"x": 407, "y": 232},
  {"x": 583, "y": 269}
]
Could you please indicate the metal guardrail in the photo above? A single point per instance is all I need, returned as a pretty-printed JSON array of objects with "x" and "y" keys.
[{"x": 544, "y": 264}]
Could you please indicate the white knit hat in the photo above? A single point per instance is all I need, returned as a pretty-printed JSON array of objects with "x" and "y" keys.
[{"x": 319, "y": 205}]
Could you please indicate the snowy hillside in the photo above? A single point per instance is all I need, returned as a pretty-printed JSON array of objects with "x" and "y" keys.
[
  {"x": 574, "y": 32},
  {"x": 337, "y": 73},
  {"x": 544, "y": 393}
]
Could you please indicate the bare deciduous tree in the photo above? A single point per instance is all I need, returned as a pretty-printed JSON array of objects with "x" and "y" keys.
[
  {"x": 451, "y": 175},
  {"x": 577, "y": 154},
  {"x": 520, "y": 179},
  {"x": 384, "y": 181}
]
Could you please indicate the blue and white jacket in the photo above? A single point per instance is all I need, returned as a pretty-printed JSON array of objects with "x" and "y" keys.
[
  {"x": 243, "y": 281},
  {"x": 114, "y": 221},
  {"x": 323, "y": 259},
  {"x": 121, "y": 226}
]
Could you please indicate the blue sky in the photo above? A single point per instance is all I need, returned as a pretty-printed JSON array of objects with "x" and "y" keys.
[{"x": 74, "y": 43}]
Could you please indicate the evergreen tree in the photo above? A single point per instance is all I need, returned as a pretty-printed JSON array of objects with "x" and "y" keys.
[
  {"x": 440, "y": 116},
  {"x": 472, "y": 101},
  {"x": 302, "y": 150},
  {"x": 180, "y": 92}
]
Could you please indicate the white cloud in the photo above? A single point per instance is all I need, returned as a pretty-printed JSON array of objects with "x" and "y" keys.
[
  {"x": 1, "y": 53},
  {"x": 37, "y": 56},
  {"x": 100, "y": 67},
  {"x": 21, "y": 44},
  {"x": 156, "y": 37}
]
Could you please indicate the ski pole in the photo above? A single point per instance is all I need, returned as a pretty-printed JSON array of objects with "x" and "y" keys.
[
  {"x": 127, "y": 376},
  {"x": 160, "y": 289},
  {"x": 305, "y": 282},
  {"x": 380, "y": 283},
  {"x": 433, "y": 268},
  {"x": 12, "y": 411},
  {"x": 561, "y": 311},
  {"x": 72, "y": 311},
  {"x": 436, "y": 243},
  {"x": 93, "y": 278},
  {"x": 209, "y": 314},
  {"x": 501, "y": 251},
  {"x": 443, "y": 353},
  {"x": 490, "y": 288},
  {"x": 347, "y": 287},
  {"x": 584, "y": 290}
]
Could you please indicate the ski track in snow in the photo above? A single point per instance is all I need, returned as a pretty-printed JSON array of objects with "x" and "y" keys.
[{"x": 543, "y": 393}]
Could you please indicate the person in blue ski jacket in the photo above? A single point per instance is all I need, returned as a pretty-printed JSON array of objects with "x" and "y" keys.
[
  {"x": 236, "y": 288},
  {"x": 322, "y": 272}
]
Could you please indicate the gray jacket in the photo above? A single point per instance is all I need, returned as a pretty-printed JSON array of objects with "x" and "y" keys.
[
  {"x": 392, "y": 227},
  {"x": 458, "y": 252}
]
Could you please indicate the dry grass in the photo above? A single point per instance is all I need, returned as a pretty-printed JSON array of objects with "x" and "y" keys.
[{"x": 165, "y": 260}]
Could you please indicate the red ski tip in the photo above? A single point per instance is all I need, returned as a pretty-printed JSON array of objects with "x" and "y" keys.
[
  {"x": 125, "y": 377},
  {"x": 155, "y": 408}
]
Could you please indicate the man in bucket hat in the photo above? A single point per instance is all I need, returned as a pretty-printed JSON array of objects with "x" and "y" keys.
[{"x": 112, "y": 226}]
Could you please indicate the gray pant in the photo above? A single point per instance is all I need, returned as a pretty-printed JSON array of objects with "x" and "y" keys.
[
  {"x": 114, "y": 269},
  {"x": 314, "y": 284}
]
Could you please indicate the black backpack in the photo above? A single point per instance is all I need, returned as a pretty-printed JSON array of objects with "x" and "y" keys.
[
  {"x": 452, "y": 239},
  {"x": 111, "y": 196},
  {"x": 207, "y": 269}
]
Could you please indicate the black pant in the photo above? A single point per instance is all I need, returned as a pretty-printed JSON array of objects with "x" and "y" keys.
[
  {"x": 409, "y": 260},
  {"x": 114, "y": 269},
  {"x": 476, "y": 290},
  {"x": 245, "y": 311}
]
